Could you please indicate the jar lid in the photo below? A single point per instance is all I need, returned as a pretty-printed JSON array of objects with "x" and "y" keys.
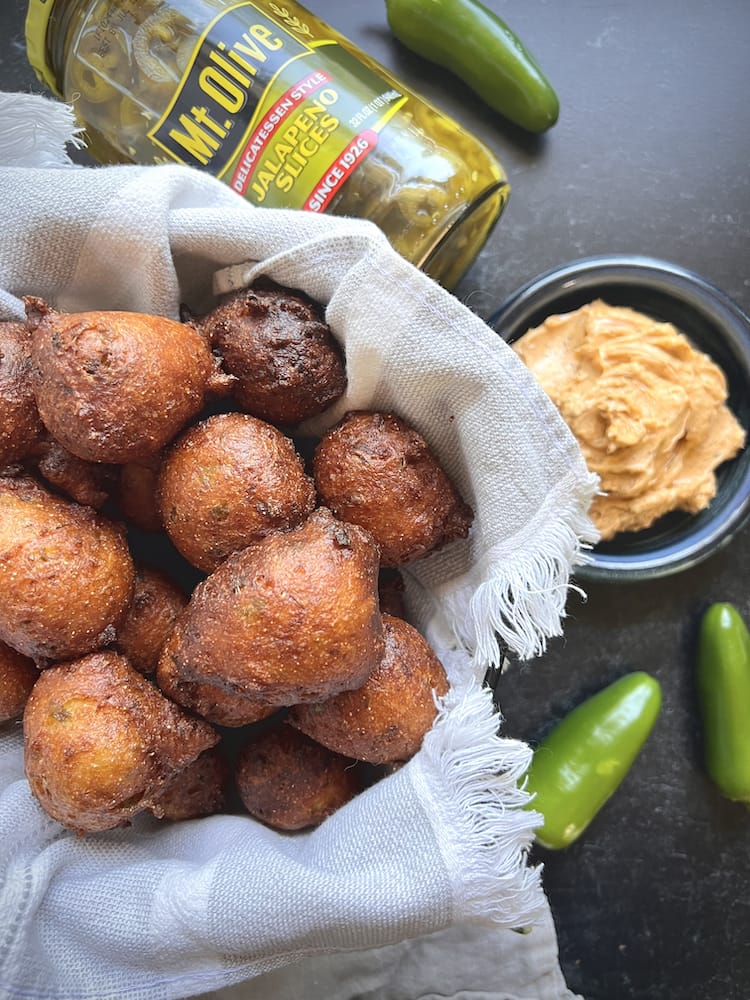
[{"x": 37, "y": 21}]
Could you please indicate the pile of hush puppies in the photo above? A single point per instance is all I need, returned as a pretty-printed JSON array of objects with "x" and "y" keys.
[{"x": 286, "y": 668}]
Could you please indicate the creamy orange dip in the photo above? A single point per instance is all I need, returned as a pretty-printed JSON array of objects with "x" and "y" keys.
[{"x": 649, "y": 411}]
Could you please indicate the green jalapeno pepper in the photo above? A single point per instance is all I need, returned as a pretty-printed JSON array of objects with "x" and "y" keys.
[
  {"x": 473, "y": 43},
  {"x": 583, "y": 760},
  {"x": 723, "y": 682}
]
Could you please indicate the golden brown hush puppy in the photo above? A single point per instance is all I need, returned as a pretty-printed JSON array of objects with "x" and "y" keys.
[
  {"x": 115, "y": 386},
  {"x": 89, "y": 483},
  {"x": 66, "y": 573},
  {"x": 199, "y": 789},
  {"x": 289, "y": 782},
  {"x": 215, "y": 704},
  {"x": 18, "y": 674},
  {"x": 20, "y": 424},
  {"x": 293, "y": 617},
  {"x": 374, "y": 470},
  {"x": 227, "y": 482},
  {"x": 136, "y": 492},
  {"x": 101, "y": 742},
  {"x": 156, "y": 604},
  {"x": 386, "y": 719},
  {"x": 278, "y": 346}
]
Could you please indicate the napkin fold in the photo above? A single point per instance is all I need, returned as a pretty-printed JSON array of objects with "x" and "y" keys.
[{"x": 163, "y": 911}]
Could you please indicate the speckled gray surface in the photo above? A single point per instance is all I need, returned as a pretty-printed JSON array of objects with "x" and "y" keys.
[{"x": 650, "y": 156}]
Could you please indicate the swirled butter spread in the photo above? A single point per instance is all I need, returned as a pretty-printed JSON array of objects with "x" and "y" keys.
[{"x": 648, "y": 410}]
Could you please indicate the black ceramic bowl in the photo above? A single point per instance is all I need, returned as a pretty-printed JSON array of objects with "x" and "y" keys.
[{"x": 715, "y": 325}]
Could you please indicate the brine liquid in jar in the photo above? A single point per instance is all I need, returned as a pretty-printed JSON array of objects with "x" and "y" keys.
[{"x": 277, "y": 105}]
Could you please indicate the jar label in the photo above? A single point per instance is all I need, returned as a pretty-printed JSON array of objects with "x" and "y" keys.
[{"x": 282, "y": 120}]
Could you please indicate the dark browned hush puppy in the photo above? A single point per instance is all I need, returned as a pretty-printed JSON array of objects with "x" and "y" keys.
[
  {"x": 386, "y": 719},
  {"x": 156, "y": 605},
  {"x": 101, "y": 743},
  {"x": 215, "y": 704},
  {"x": 374, "y": 470},
  {"x": 200, "y": 789},
  {"x": 289, "y": 782},
  {"x": 227, "y": 482},
  {"x": 278, "y": 346},
  {"x": 20, "y": 425},
  {"x": 116, "y": 386},
  {"x": 66, "y": 573},
  {"x": 18, "y": 674},
  {"x": 293, "y": 617}
]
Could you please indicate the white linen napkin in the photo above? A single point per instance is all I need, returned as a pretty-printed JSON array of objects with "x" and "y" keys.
[{"x": 162, "y": 911}]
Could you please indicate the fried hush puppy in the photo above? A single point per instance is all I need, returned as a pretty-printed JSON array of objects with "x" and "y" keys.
[
  {"x": 20, "y": 424},
  {"x": 229, "y": 481},
  {"x": 156, "y": 605},
  {"x": 136, "y": 493},
  {"x": 18, "y": 674},
  {"x": 200, "y": 789},
  {"x": 293, "y": 617},
  {"x": 89, "y": 483},
  {"x": 215, "y": 704},
  {"x": 374, "y": 470},
  {"x": 66, "y": 573},
  {"x": 386, "y": 719},
  {"x": 281, "y": 351},
  {"x": 289, "y": 782},
  {"x": 115, "y": 386},
  {"x": 101, "y": 742},
  {"x": 294, "y": 612}
]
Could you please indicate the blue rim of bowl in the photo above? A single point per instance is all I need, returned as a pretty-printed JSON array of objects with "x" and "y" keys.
[{"x": 646, "y": 283}]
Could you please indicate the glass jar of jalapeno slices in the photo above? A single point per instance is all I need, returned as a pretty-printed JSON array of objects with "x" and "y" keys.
[{"x": 280, "y": 107}]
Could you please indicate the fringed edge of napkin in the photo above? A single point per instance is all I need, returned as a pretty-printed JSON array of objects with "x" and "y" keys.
[
  {"x": 470, "y": 781},
  {"x": 35, "y": 131},
  {"x": 515, "y": 595}
]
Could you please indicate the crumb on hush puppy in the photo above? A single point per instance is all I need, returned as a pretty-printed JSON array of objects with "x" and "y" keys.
[
  {"x": 215, "y": 704},
  {"x": 288, "y": 782},
  {"x": 20, "y": 424},
  {"x": 276, "y": 343},
  {"x": 374, "y": 470},
  {"x": 156, "y": 605},
  {"x": 18, "y": 674},
  {"x": 293, "y": 617},
  {"x": 228, "y": 481},
  {"x": 386, "y": 719},
  {"x": 66, "y": 573},
  {"x": 101, "y": 742},
  {"x": 115, "y": 386}
]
